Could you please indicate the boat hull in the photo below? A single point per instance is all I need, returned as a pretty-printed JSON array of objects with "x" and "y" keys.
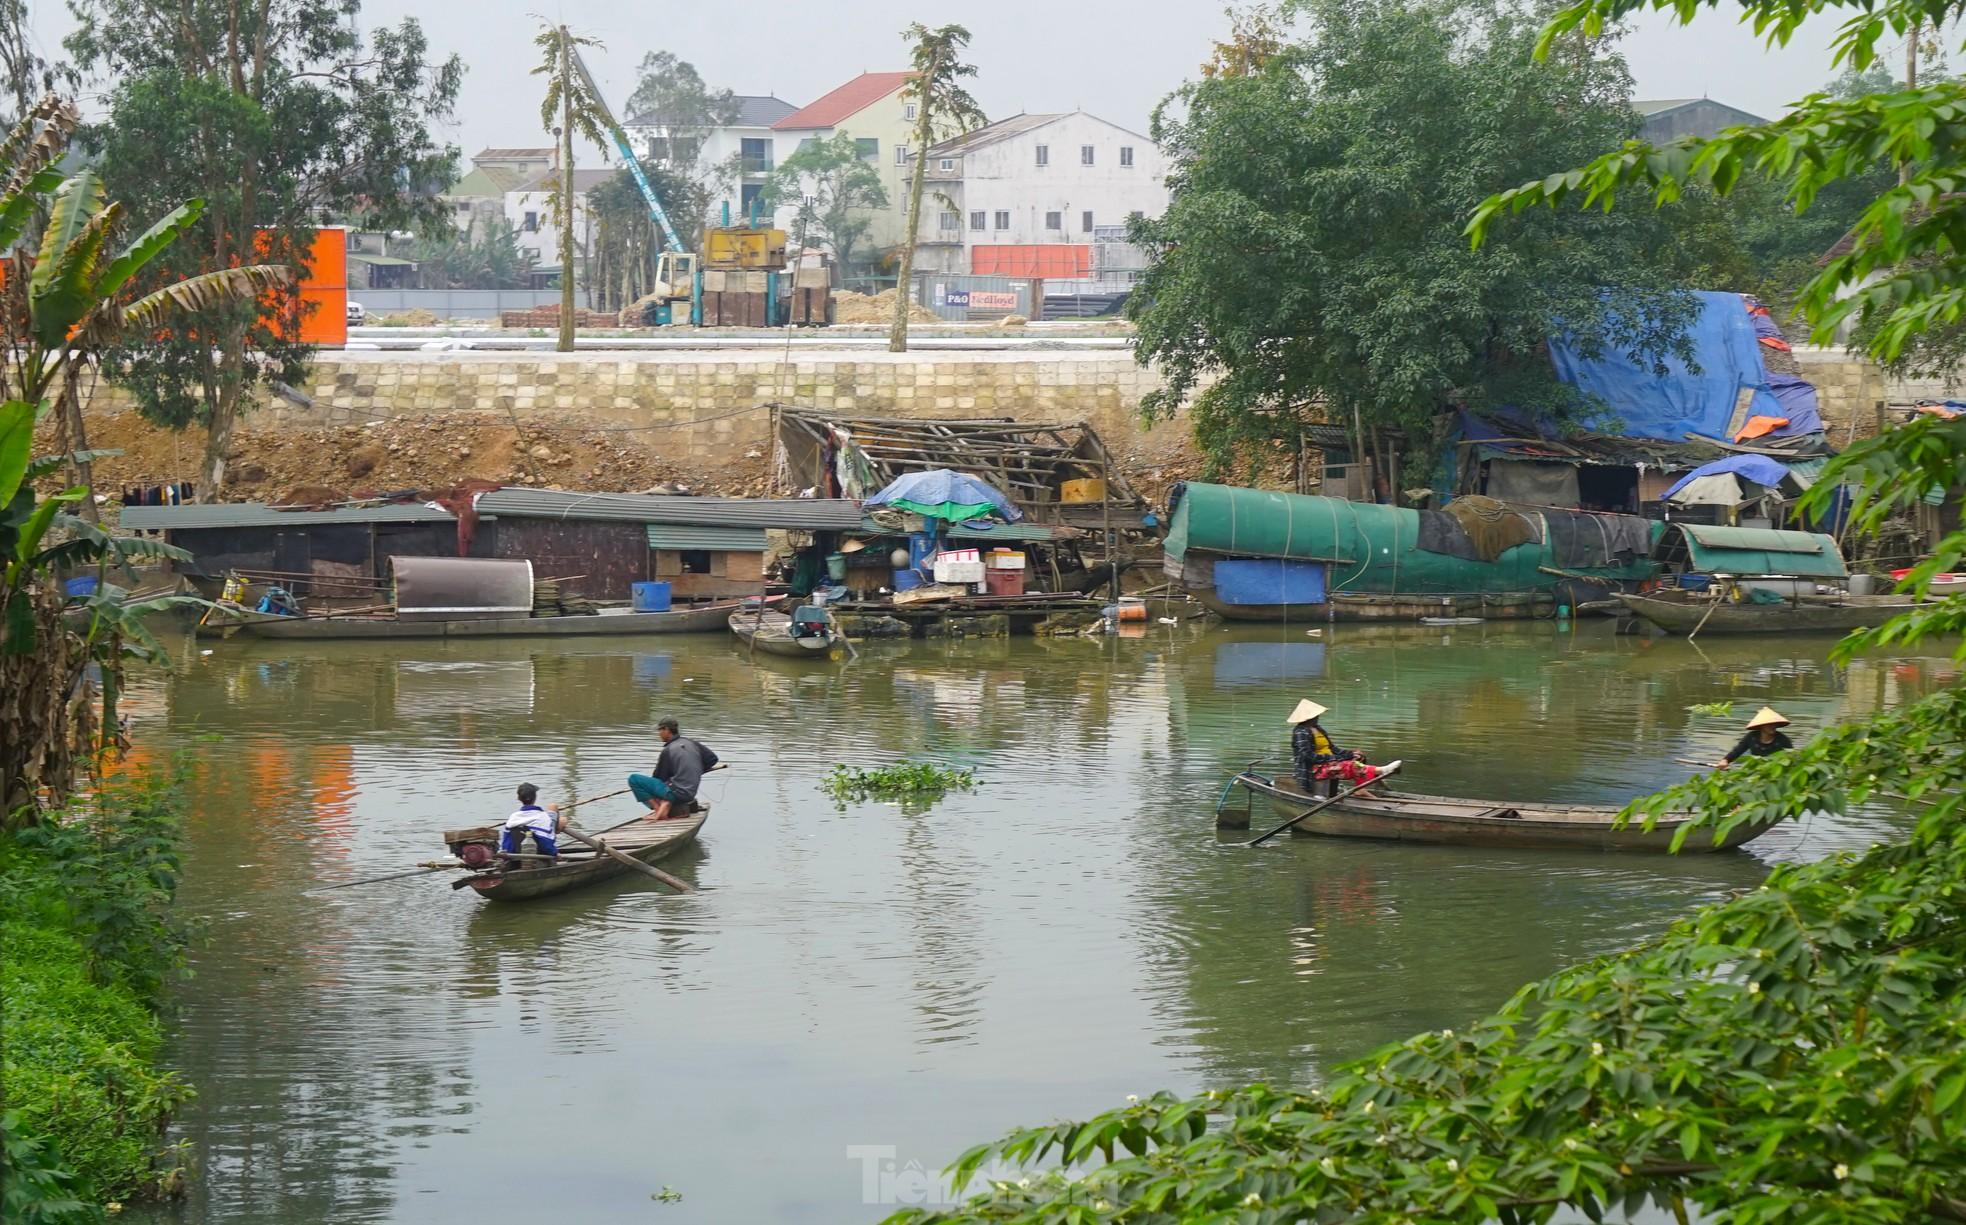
[
  {"x": 650, "y": 842},
  {"x": 1394, "y": 816},
  {"x": 707, "y": 619},
  {"x": 1789, "y": 617},
  {"x": 1343, "y": 607}
]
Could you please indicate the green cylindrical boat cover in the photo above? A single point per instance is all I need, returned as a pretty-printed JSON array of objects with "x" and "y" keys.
[{"x": 1369, "y": 548}]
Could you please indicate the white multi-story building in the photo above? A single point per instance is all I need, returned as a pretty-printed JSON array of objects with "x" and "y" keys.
[
  {"x": 1030, "y": 196},
  {"x": 735, "y": 159},
  {"x": 528, "y": 207},
  {"x": 480, "y": 195},
  {"x": 870, "y": 109}
]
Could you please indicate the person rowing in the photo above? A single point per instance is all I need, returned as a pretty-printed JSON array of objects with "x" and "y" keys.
[
  {"x": 1318, "y": 758},
  {"x": 671, "y": 790},
  {"x": 1764, "y": 737}
]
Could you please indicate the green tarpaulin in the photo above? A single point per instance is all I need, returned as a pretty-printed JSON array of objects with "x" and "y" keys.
[
  {"x": 1753, "y": 552},
  {"x": 1369, "y": 548}
]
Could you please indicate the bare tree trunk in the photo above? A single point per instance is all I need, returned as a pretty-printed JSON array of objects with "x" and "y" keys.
[
  {"x": 78, "y": 438},
  {"x": 897, "y": 336},
  {"x": 566, "y": 193},
  {"x": 224, "y": 396}
]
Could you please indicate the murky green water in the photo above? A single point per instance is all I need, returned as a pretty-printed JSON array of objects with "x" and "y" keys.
[{"x": 855, "y": 997}]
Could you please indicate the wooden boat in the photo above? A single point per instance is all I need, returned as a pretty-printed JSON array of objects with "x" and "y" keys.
[
  {"x": 648, "y": 841},
  {"x": 241, "y": 621},
  {"x": 1680, "y": 614},
  {"x": 1400, "y": 816},
  {"x": 771, "y": 633}
]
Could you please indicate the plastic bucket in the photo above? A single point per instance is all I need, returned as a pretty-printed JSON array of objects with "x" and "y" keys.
[
  {"x": 80, "y": 588},
  {"x": 836, "y": 567},
  {"x": 649, "y": 597},
  {"x": 907, "y": 580}
]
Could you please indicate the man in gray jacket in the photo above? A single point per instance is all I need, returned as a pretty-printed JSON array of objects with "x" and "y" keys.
[{"x": 671, "y": 790}]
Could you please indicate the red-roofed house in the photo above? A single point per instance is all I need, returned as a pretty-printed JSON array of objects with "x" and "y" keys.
[{"x": 868, "y": 108}]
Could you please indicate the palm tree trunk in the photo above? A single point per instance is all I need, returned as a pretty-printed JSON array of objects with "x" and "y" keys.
[
  {"x": 566, "y": 194},
  {"x": 897, "y": 336}
]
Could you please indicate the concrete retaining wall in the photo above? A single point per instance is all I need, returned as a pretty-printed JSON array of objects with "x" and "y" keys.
[{"x": 709, "y": 405}]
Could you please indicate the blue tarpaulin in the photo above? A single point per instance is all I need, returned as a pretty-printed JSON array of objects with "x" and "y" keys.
[
  {"x": 1757, "y": 468},
  {"x": 1726, "y": 347},
  {"x": 1270, "y": 581},
  {"x": 943, "y": 494}
]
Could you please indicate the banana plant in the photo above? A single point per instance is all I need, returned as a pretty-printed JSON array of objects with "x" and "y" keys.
[{"x": 64, "y": 299}]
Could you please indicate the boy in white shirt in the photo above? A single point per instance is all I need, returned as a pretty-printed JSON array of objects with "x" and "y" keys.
[{"x": 544, "y": 824}]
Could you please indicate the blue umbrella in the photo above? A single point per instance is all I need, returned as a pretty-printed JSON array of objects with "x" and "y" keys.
[{"x": 941, "y": 493}]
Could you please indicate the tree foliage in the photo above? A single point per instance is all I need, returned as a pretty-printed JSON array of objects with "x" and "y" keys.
[
  {"x": 490, "y": 258},
  {"x": 1900, "y": 283},
  {"x": 943, "y": 108},
  {"x": 627, "y": 239},
  {"x": 671, "y": 97},
  {"x": 1310, "y": 265},
  {"x": 569, "y": 108},
  {"x": 275, "y": 114},
  {"x": 837, "y": 192}
]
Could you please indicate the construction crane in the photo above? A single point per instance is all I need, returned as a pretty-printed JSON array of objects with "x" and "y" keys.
[
  {"x": 627, "y": 150},
  {"x": 679, "y": 273}
]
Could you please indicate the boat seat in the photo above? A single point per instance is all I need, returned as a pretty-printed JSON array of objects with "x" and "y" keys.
[{"x": 1504, "y": 814}]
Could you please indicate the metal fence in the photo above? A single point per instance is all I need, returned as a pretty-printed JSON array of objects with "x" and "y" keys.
[
  {"x": 452, "y": 303},
  {"x": 959, "y": 296}
]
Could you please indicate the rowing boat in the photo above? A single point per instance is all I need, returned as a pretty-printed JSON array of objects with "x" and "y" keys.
[
  {"x": 705, "y": 619},
  {"x": 1400, "y": 816},
  {"x": 648, "y": 841},
  {"x": 772, "y": 633},
  {"x": 1708, "y": 615}
]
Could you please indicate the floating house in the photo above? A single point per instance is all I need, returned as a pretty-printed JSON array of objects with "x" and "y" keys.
[
  {"x": 1253, "y": 555},
  {"x": 597, "y": 545}
]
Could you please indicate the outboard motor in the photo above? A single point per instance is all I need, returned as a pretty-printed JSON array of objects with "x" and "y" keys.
[
  {"x": 809, "y": 621},
  {"x": 477, "y": 848}
]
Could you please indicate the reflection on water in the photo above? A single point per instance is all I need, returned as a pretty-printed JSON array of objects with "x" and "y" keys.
[{"x": 1072, "y": 931}]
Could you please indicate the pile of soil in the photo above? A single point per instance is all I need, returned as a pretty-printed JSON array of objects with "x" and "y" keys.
[
  {"x": 850, "y": 307},
  {"x": 416, "y": 318},
  {"x": 432, "y": 452}
]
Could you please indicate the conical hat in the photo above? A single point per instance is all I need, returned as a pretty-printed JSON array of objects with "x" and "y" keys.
[
  {"x": 853, "y": 546},
  {"x": 1768, "y": 716},
  {"x": 1306, "y": 709}
]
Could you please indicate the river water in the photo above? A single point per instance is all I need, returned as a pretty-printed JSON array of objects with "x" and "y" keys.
[{"x": 856, "y": 995}]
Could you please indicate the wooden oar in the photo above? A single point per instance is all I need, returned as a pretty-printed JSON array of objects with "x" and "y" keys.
[
  {"x": 1384, "y": 771},
  {"x": 629, "y": 860}
]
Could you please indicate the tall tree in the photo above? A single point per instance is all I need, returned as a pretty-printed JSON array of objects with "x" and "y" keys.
[
  {"x": 276, "y": 114},
  {"x": 837, "y": 192},
  {"x": 1311, "y": 255},
  {"x": 943, "y": 108},
  {"x": 671, "y": 98},
  {"x": 569, "y": 107}
]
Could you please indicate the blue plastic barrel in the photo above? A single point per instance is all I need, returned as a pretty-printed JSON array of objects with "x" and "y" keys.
[
  {"x": 649, "y": 597},
  {"x": 80, "y": 588},
  {"x": 907, "y": 580}
]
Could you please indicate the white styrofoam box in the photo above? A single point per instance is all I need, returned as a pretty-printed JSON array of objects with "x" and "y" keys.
[
  {"x": 1006, "y": 561},
  {"x": 957, "y": 571}
]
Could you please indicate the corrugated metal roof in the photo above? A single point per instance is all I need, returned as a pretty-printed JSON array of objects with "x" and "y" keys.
[
  {"x": 1765, "y": 539},
  {"x": 692, "y": 536},
  {"x": 814, "y": 514},
  {"x": 1755, "y": 552},
  {"x": 991, "y": 133},
  {"x": 258, "y": 514}
]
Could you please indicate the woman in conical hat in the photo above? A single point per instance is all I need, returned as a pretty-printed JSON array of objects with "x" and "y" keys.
[
  {"x": 1764, "y": 737},
  {"x": 1318, "y": 759}
]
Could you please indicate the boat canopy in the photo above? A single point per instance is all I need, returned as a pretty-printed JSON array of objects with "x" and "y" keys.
[
  {"x": 460, "y": 588},
  {"x": 1377, "y": 549},
  {"x": 1749, "y": 552}
]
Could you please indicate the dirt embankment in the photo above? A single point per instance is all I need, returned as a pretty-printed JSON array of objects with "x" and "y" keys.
[{"x": 435, "y": 452}]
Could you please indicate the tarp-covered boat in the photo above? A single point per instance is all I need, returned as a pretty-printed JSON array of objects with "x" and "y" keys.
[{"x": 1252, "y": 554}]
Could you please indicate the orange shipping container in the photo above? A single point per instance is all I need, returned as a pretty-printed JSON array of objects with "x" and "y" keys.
[
  {"x": 324, "y": 288},
  {"x": 1055, "y": 259}
]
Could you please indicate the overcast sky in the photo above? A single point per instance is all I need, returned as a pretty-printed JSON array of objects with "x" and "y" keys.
[{"x": 1114, "y": 58}]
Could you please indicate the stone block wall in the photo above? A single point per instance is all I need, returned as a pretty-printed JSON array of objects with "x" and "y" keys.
[{"x": 708, "y": 406}]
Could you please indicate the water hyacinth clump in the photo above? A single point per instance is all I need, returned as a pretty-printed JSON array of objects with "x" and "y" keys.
[{"x": 910, "y": 783}]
